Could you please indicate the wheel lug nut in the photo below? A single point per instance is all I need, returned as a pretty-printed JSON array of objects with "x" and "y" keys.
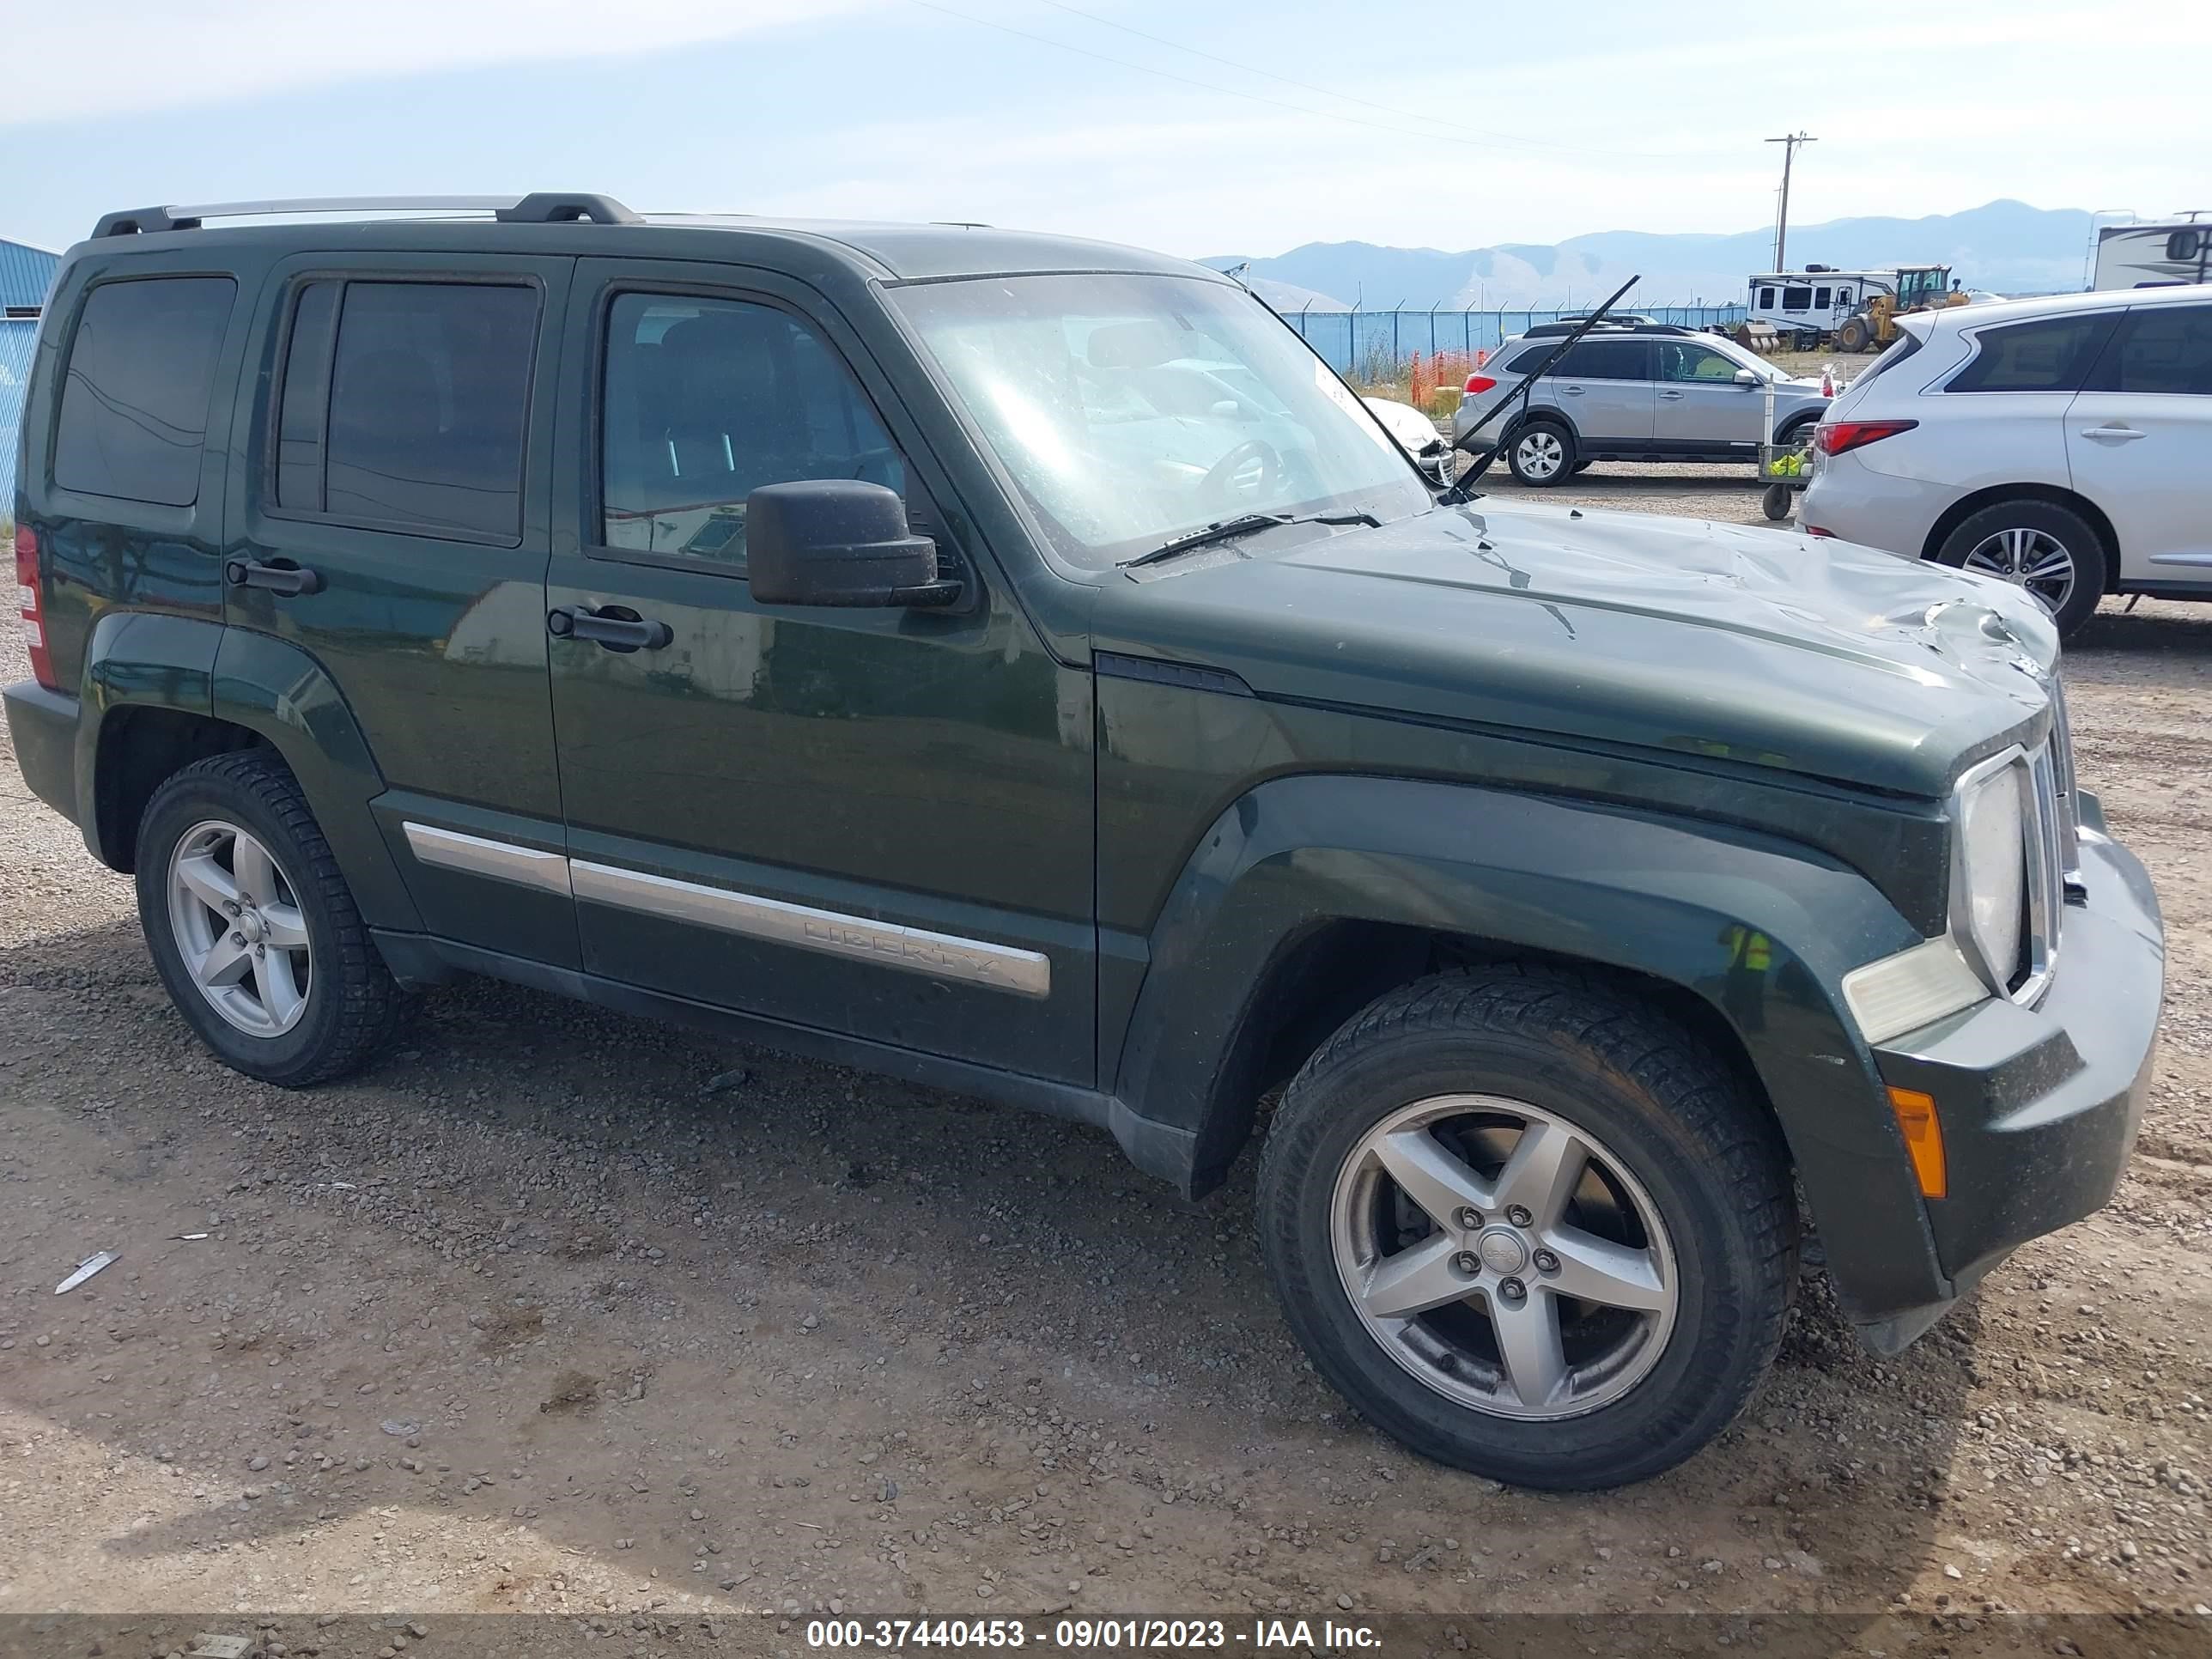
[
  {"x": 1546, "y": 1262},
  {"x": 230, "y": 907},
  {"x": 1468, "y": 1217},
  {"x": 1513, "y": 1289},
  {"x": 1467, "y": 1262},
  {"x": 238, "y": 938},
  {"x": 1518, "y": 1215}
]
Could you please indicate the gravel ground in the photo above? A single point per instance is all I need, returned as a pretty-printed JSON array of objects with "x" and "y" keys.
[{"x": 554, "y": 1310}]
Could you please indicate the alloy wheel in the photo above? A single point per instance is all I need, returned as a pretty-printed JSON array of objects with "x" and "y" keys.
[
  {"x": 239, "y": 928},
  {"x": 1504, "y": 1257},
  {"x": 2033, "y": 559},
  {"x": 1540, "y": 453}
]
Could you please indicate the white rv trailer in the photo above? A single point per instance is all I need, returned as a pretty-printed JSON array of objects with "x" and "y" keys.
[
  {"x": 2153, "y": 256},
  {"x": 1814, "y": 301}
]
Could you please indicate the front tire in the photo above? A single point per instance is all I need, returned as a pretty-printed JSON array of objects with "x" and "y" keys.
[
  {"x": 252, "y": 928},
  {"x": 1541, "y": 454},
  {"x": 2050, "y": 551},
  {"x": 1616, "y": 1250},
  {"x": 1854, "y": 336}
]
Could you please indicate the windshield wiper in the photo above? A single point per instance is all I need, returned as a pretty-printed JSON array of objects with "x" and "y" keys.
[{"x": 1242, "y": 525}]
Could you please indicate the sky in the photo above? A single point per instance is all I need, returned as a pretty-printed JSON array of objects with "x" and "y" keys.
[{"x": 1193, "y": 126}]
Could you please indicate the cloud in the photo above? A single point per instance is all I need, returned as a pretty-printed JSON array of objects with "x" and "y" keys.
[{"x": 132, "y": 55}]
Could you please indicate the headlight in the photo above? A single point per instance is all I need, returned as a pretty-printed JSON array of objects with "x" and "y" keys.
[{"x": 1992, "y": 868}]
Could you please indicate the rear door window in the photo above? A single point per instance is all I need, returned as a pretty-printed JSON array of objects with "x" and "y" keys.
[
  {"x": 405, "y": 405},
  {"x": 134, "y": 409},
  {"x": 2052, "y": 354},
  {"x": 1607, "y": 359},
  {"x": 2159, "y": 349}
]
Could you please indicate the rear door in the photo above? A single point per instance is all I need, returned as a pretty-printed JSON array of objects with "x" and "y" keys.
[
  {"x": 2004, "y": 412},
  {"x": 393, "y": 526},
  {"x": 1698, "y": 403},
  {"x": 1605, "y": 388},
  {"x": 2139, "y": 439}
]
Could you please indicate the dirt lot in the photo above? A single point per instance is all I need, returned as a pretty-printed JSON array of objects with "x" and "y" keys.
[{"x": 554, "y": 1310}]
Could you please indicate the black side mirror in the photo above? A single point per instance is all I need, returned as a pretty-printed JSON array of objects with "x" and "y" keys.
[{"x": 838, "y": 541}]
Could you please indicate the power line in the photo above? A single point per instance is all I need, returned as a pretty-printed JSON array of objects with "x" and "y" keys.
[{"x": 1261, "y": 98}]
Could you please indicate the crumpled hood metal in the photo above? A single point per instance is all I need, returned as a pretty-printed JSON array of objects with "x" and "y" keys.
[{"x": 1807, "y": 655}]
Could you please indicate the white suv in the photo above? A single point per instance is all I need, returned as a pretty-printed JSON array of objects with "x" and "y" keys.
[{"x": 2062, "y": 444}]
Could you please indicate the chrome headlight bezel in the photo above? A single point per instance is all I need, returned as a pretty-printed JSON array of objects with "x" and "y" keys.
[
  {"x": 2010, "y": 817},
  {"x": 1990, "y": 810}
]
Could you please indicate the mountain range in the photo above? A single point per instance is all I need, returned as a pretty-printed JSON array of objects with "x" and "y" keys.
[{"x": 2007, "y": 247}]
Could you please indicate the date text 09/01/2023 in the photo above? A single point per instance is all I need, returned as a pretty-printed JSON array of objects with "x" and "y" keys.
[{"x": 896, "y": 1634}]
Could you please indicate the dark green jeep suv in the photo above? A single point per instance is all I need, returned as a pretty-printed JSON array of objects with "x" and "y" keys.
[{"x": 1018, "y": 665}]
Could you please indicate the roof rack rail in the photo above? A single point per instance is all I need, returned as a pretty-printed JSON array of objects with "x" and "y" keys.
[{"x": 539, "y": 208}]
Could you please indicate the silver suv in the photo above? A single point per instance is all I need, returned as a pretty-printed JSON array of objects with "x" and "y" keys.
[{"x": 1645, "y": 392}]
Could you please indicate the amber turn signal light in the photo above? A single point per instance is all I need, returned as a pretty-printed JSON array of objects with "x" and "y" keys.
[{"x": 1923, "y": 1139}]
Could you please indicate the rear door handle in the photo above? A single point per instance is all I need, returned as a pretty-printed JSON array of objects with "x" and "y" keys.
[
  {"x": 1671, "y": 397},
  {"x": 2113, "y": 434},
  {"x": 1572, "y": 391},
  {"x": 613, "y": 626},
  {"x": 287, "y": 578}
]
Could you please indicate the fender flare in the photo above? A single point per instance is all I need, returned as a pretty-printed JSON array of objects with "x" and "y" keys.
[
  {"x": 267, "y": 686},
  {"x": 1643, "y": 893}
]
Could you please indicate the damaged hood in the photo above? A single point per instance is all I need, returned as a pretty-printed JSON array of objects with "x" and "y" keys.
[{"x": 1751, "y": 645}]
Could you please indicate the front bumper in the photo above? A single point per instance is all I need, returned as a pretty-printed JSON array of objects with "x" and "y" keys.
[
  {"x": 2039, "y": 1106},
  {"x": 42, "y": 725}
]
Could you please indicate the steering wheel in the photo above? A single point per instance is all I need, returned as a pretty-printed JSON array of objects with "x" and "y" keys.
[{"x": 1245, "y": 471}]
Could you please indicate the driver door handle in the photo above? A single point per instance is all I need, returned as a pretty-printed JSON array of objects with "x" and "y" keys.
[
  {"x": 612, "y": 627},
  {"x": 1671, "y": 397},
  {"x": 2113, "y": 434},
  {"x": 1572, "y": 391}
]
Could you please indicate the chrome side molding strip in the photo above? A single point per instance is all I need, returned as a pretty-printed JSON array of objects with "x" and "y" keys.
[
  {"x": 943, "y": 955},
  {"x": 501, "y": 860},
  {"x": 887, "y": 944}
]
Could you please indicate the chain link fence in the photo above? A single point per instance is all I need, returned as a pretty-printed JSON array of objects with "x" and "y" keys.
[{"x": 1377, "y": 345}]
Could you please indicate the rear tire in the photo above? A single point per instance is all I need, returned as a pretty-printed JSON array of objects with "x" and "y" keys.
[
  {"x": 1853, "y": 336},
  {"x": 1683, "y": 1195},
  {"x": 252, "y": 928},
  {"x": 1541, "y": 454},
  {"x": 2051, "y": 550}
]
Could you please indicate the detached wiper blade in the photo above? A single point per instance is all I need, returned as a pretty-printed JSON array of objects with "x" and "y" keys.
[{"x": 1244, "y": 525}]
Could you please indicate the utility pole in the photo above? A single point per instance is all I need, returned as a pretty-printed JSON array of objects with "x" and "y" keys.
[{"x": 1782, "y": 219}]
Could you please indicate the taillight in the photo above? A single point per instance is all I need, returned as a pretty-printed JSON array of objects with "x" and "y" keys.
[
  {"x": 1479, "y": 383},
  {"x": 1840, "y": 437},
  {"x": 32, "y": 607}
]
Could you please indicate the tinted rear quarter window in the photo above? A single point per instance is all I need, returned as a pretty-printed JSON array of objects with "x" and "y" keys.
[
  {"x": 134, "y": 408},
  {"x": 2160, "y": 350},
  {"x": 426, "y": 390},
  {"x": 2052, "y": 354}
]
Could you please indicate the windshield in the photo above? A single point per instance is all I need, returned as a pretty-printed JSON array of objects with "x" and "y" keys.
[{"x": 1133, "y": 410}]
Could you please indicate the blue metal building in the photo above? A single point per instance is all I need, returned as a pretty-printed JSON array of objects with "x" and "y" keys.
[{"x": 25, "y": 274}]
